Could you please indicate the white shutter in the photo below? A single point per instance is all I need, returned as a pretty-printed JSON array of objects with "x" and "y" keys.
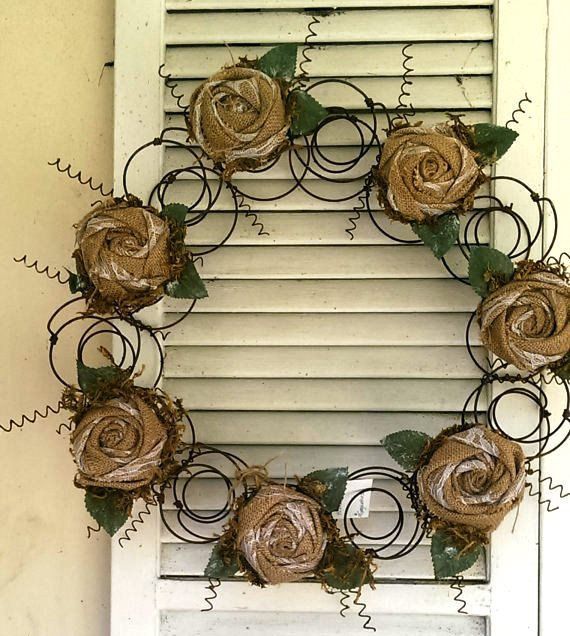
[{"x": 312, "y": 347}]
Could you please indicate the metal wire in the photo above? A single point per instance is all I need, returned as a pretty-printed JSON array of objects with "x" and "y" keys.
[
  {"x": 405, "y": 110},
  {"x": 361, "y": 612},
  {"x": 213, "y": 584},
  {"x": 31, "y": 419},
  {"x": 539, "y": 492},
  {"x": 458, "y": 586},
  {"x": 518, "y": 110},
  {"x": 309, "y": 46},
  {"x": 58, "y": 275},
  {"x": 78, "y": 176},
  {"x": 405, "y": 534},
  {"x": 172, "y": 86},
  {"x": 93, "y": 529}
]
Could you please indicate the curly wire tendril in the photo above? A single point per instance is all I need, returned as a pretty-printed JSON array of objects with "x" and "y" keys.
[
  {"x": 31, "y": 419},
  {"x": 213, "y": 584},
  {"x": 518, "y": 110},
  {"x": 360, "y": 207},
  {"x": 558, "y": 488},
  {"x": 93, "y": 529},
  {"x": 64, "y": 427},
  {"x": 361, "y": 612},
  {"x": 78, "y": 176},
  {"x": 137, "y": 520},
  {"x": 309, "y": 46},
  {"x": 58, "y": 275},
  {"x": 458, "y": 585},
  {"x": 172, "y": 86},
  {"x": 405, "y": 108},
  {"x": 249, "y": 214},
  {"x": 344, "y": 597}
]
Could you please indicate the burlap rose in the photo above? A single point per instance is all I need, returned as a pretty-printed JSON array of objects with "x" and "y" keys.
[
  {"x": 238, "y": 117},
  {"x": 474, "y": 478},
  {"x": 425, "y": 172},
  {"x": 119, "y": 445},
  {"x": 280, "y": 534},
  {"x": 124, "y": 249},
  {"x": 527, "y": 321}
]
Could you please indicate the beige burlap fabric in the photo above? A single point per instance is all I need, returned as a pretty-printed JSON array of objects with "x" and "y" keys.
[
  {"x": 125, "y": 252},
  {"x": 118, "y": 445},
  {"x": 526, "y": 322},
  {"x": 280, "y": 534},
  {"x": 238, "y": 117},
  {"x": 425, "y": 172},
  {"x": 474, "y": 478}
]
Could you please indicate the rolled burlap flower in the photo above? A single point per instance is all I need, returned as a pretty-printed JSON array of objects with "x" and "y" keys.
[
  {"x": 280, "y": 534},
  {"x": 238, "y": 117},
  {"x": 526, "y": 322},
  {"x": 425, "y": 172},
  {"x": 119, "y": 445},
  {"x": 474, "y": 478},
  {"x": 124, "y": 250}
]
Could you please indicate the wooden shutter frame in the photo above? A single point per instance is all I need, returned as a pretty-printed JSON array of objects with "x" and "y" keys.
[{"x": 136, "y": 591}]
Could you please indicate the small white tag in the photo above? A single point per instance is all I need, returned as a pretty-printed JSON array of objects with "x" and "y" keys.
[{"x": 360, "y": 506}]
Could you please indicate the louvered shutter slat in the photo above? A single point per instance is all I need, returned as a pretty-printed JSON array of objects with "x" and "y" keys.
[
  {"x": 353, "y": 60},
  {"x": 392, "y": 25},
  {"x": 331, "y": 296}
]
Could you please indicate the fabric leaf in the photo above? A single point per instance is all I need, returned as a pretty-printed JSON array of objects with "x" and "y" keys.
[
  {"x": 346, "y": 567},
  {"x": 93, "y": 379},
  {"x": 108, "y": 509},
  {"x": 189, "y": 285},
  {"x": 176, "y": 212},
  {"x": 77, "y": 283},
  {"x": 279, "y": 62},
  {"x": 492, "y": 142},
  {"x": 218, "y": 568},
  {"x": 448, "y": 560},
  {"x": 334, "y": 480},
  {"x": 486, "y": 264},
  {"x": 307, "y": 113},
  {"x": 440, "y": 235},
  {"x": 405, "y": 447}
]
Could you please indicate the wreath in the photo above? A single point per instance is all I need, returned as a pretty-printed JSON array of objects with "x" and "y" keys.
[{"x": 126, "y": 439}]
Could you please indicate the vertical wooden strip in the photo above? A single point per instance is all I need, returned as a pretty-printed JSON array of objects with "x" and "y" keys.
[
  {"x": 554, "y": 559},
  {"x": 138, "y": 118},
  {"x": 520, "y": 67}
]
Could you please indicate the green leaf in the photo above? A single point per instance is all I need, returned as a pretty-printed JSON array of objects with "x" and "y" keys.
[
  {"x": 279, "y": 62},
  {"x": 334, "y": 479},
  {"x": 108, "y": 509},
  {"x": 77, "y": 283},
  {"x": 485, "y": 264},
  {"x": 492, "y": 142},
  {"x": 439, "y": 235},
  {"x": 346, "y": 567},
  {"x": 189, "y": 285},
  {"x": 92, "y": 380},
  {"x": 217, "y": 566},
  {"x": 405, "y": 447},
  {"x": 307, "y": 113},
  {"x": 447, "y": 558},
  {"x": 176, "y": 211}
]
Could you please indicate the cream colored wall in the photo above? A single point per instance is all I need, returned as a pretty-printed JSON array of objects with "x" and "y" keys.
[{"x": 56, "y": 102}]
